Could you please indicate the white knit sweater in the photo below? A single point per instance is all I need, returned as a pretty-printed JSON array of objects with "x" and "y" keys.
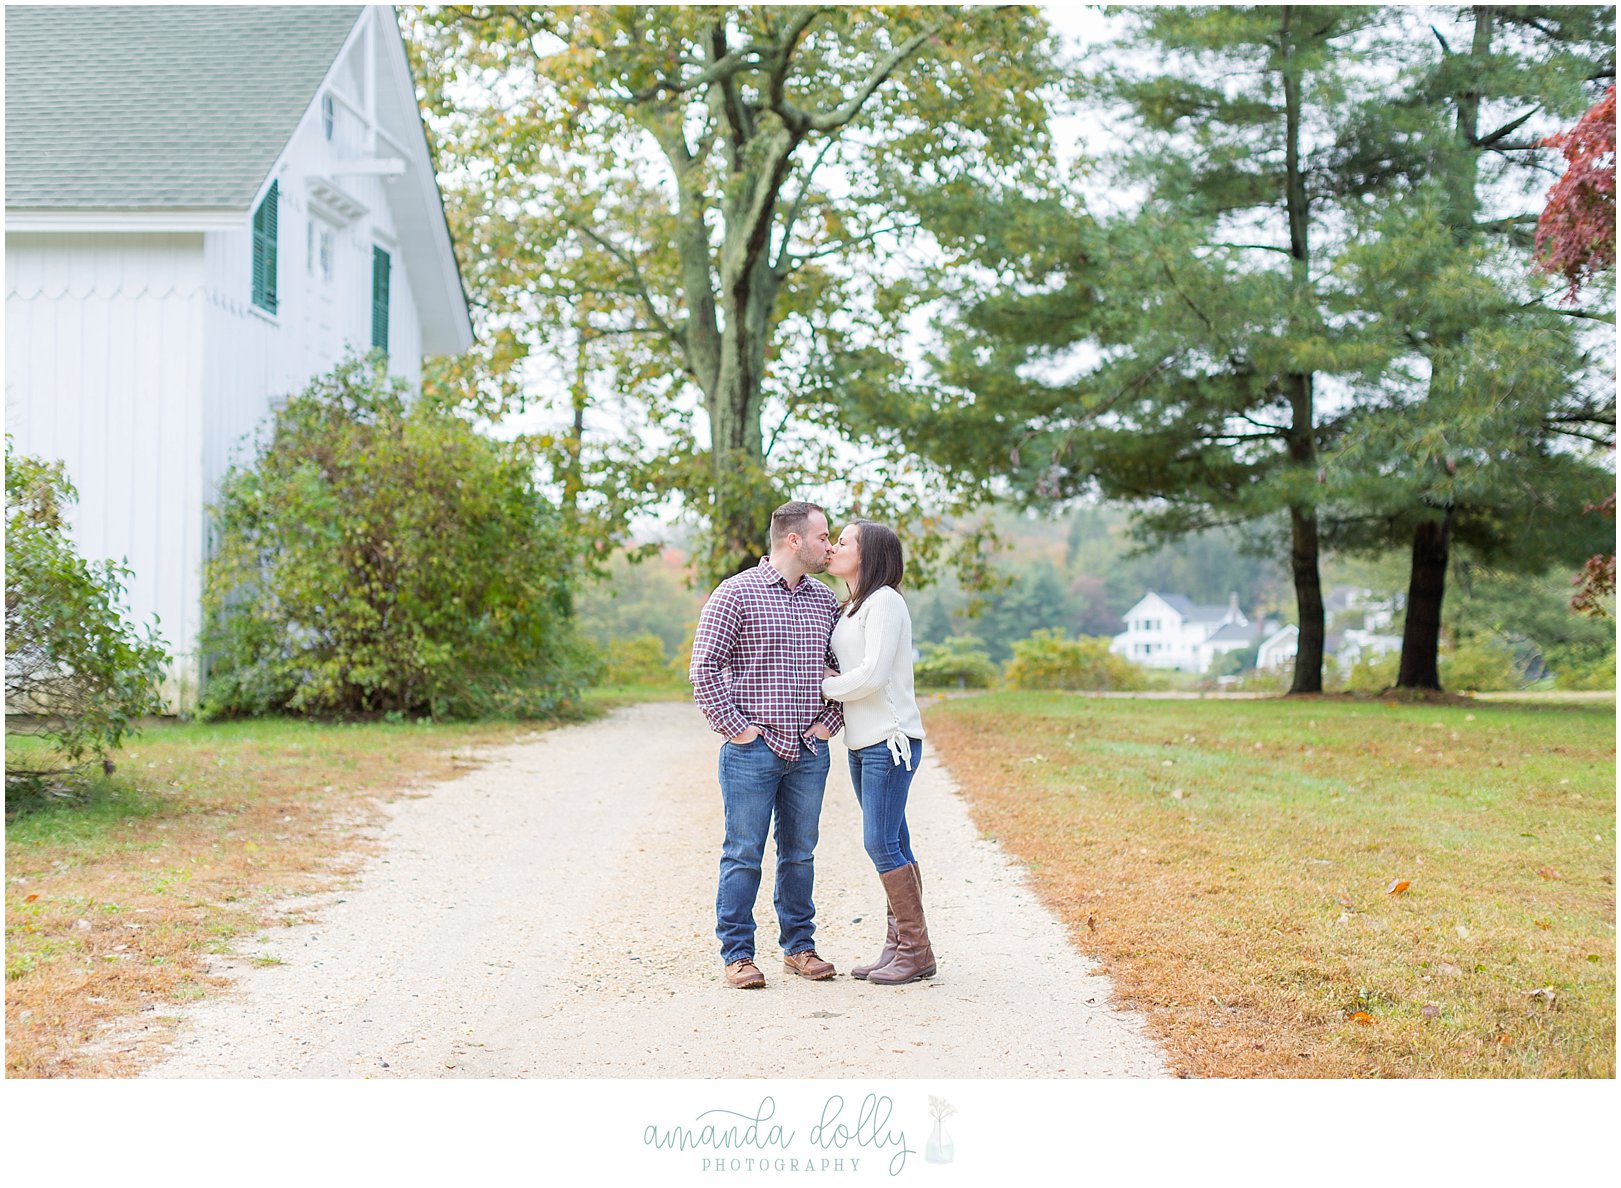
[{"x": 874, "y": 647}]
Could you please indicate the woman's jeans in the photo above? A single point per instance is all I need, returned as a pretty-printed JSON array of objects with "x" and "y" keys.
[
  {"x": 756, "y": 785},
  {"x": 881, "y": 786}
]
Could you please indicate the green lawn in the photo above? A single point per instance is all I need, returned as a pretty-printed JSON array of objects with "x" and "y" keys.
[{"x": 1231, "y": 863}]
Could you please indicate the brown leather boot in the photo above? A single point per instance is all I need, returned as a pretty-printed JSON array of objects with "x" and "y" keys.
[
  {"x": 884, "y": 957},
  {"x": 914, "y": 958},
  {"x": 888, "y": 953}
]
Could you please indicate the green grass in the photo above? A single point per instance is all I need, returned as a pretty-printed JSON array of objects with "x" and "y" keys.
[{"x": 1240, "y": 852}]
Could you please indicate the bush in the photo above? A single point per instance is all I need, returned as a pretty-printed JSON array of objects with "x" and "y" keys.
[
  {"x": 959, "y": 662},
  {"x": 380, "y": 557},
  {"x": 1577, "y": 667},
  {"x": 1373, "y": 673},
  {"x": 1050, "y": 660},
  {"x": 1479, "y": 668},
  {"x": 637, "y": 660},
  {"x": 77, "y": 673}
]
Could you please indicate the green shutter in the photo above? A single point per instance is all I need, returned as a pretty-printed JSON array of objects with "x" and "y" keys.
[
  {"x": 379, "y": 298},
  {"x": 264, "y": 250}
]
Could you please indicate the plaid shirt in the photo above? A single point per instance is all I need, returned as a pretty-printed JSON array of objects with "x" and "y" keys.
[{"x": 759, "y": 657}]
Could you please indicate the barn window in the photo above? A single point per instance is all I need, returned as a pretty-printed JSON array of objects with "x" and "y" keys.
[
  {"x": 379, "y": 298},
  {"x": 264, "y": 251}
]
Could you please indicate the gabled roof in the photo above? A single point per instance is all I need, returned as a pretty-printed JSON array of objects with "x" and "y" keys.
[
  {"x": 1232, "y": 633},
  {"x": 1191, "y": 611},
  {"x": 153, "y": 106}
]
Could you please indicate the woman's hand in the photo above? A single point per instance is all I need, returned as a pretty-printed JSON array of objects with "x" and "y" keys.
[
  {"x": 748, "y": 736},
  {"x": 829, "y": 672}
]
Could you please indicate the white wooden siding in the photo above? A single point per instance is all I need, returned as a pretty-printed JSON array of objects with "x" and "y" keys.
[{"x": 104, "y": 373}]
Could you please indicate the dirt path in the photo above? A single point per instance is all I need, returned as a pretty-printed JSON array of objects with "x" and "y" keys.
[{"x": 551, "y": 914}]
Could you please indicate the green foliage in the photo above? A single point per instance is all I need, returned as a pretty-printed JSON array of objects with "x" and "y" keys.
[
  {"x": 1049, "y": 659},
  {"x": 1574, "y": 669},
  {"x": 1479, "y": 668},
  {"x": 78, "y": 675},
  {"x": 635, "y": 597},
  {"x": 381, "y": 556},
  {"x": 959, "y": 662},
  {"x": 1373, "y": 674},
  {"x": 691, "y": 207},
  {"x": 636, "y": 660}
]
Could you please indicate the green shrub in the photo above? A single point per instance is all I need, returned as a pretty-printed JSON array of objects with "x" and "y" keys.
[
  {"x": 1048, "y": 659},
  {"x": 383, "y": 557},
  {"x": 959, "y": 662},
  {"x": 1582, "y": 668},
  {"x": 1373, "y": 673},
  {"x": 637, "y": 660},
  {"x": 1479, "y": 668},
  {"x": 78, "y": 674}
]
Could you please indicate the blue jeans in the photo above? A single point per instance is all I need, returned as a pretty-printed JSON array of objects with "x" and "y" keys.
[
  {"x": 881, "y": 786},
  {"x": 755, "y": 786}
]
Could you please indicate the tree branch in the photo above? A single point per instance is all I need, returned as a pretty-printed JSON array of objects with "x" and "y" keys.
[
  {"x": 779, "y": 266},
  {"x": 638, "y": 281}
]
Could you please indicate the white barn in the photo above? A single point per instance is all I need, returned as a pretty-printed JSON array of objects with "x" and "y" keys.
[
  {"x": 1172, "y": 631},
  {"x": 205, "y": 207}
]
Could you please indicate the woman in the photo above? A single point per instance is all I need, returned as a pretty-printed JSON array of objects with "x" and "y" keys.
[{"x": 873, "y": 642}]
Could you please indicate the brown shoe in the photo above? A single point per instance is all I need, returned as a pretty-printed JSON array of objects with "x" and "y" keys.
[
  {"x": 914, "y": 957},
  {"x": 891, "y": 940},
  {"x": 809, "y": 965},
  {"x": 744, "y": 974}
]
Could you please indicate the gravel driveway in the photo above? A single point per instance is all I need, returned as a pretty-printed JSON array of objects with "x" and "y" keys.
[{"x": 551, "y": 914}]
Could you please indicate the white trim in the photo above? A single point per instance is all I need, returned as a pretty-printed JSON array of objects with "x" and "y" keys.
[{"x": 149, "y": 221}]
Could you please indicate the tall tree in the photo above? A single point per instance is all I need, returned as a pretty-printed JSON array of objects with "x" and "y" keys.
[
  {"x": 1576, "y": 238},
  {"x": 1208, "y": 306},
  {"x": 1473, "y": 438},
  {"x": 718, "y": 182}
]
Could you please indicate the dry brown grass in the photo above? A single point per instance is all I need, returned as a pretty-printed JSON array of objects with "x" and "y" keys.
[
  {"x": 114, "y": 903},
  {"x": 1229, "y": 864}
]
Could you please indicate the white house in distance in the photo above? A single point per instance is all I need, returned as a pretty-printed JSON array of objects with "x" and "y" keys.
[
  {"x": 1347, "y": 645},
  {"x": 205, "y": 207},
  {"x": 1171, "y": 631}
]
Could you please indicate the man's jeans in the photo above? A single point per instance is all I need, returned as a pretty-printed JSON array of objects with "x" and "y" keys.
[
  {"x": 881, "y": 786},
  {"x": 756, "y": 785}
]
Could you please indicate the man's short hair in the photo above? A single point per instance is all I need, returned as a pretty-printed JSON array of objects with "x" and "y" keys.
[{"x": 790, "y": 517}]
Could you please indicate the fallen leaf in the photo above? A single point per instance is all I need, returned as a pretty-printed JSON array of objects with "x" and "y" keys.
[
  {"x": 1361, "y": 1017},
  {"x": 1431, "y": 1012},
  {"x": 31, "y": 898},
  {"x": 1397, "y": 886},
  {"x": 1092, "y": 923},
  {"x": 1544, "y": 924},
  {"x": 1344, "y": 900},
  {"x": 1546, "y": 993},
  {"x": 1547, "y": 872}
]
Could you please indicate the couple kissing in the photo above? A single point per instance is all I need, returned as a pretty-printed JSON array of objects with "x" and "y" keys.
[{"x": 780, "y": 665}]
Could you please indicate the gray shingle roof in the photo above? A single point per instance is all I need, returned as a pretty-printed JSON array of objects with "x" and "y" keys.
[
  {"x": 153, "y": 106},
  {"x": 1192, "y": 611}
]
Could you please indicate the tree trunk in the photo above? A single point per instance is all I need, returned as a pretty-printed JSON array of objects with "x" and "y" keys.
[
  {"x": 1302, "y": 432},
  {"x": 1421, "y": 637},
  {"x": 1303, "y": 550},
  {"x": 1432, "y": 539}
]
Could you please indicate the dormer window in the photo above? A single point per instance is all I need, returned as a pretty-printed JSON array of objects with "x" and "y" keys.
[{"x": 264, "y": 250}]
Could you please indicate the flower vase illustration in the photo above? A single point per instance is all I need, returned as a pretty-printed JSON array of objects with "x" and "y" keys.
[{"x": 939, "y": 1148}]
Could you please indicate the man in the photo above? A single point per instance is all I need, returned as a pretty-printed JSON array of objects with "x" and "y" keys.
[{"x": 757, "y": 664}]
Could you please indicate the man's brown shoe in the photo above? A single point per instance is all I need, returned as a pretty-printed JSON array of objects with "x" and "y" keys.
[
  {"x": 745, "y": 975},
  {"x": 809, "y": 965}
]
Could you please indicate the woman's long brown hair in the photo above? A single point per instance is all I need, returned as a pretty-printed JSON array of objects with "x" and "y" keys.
[{"x": 881, "y": 562}]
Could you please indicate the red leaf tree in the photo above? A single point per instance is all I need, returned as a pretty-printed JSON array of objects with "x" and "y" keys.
[
  {"x": 1576, "y": 238},
  {"x": 1576, "y": 233}
]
